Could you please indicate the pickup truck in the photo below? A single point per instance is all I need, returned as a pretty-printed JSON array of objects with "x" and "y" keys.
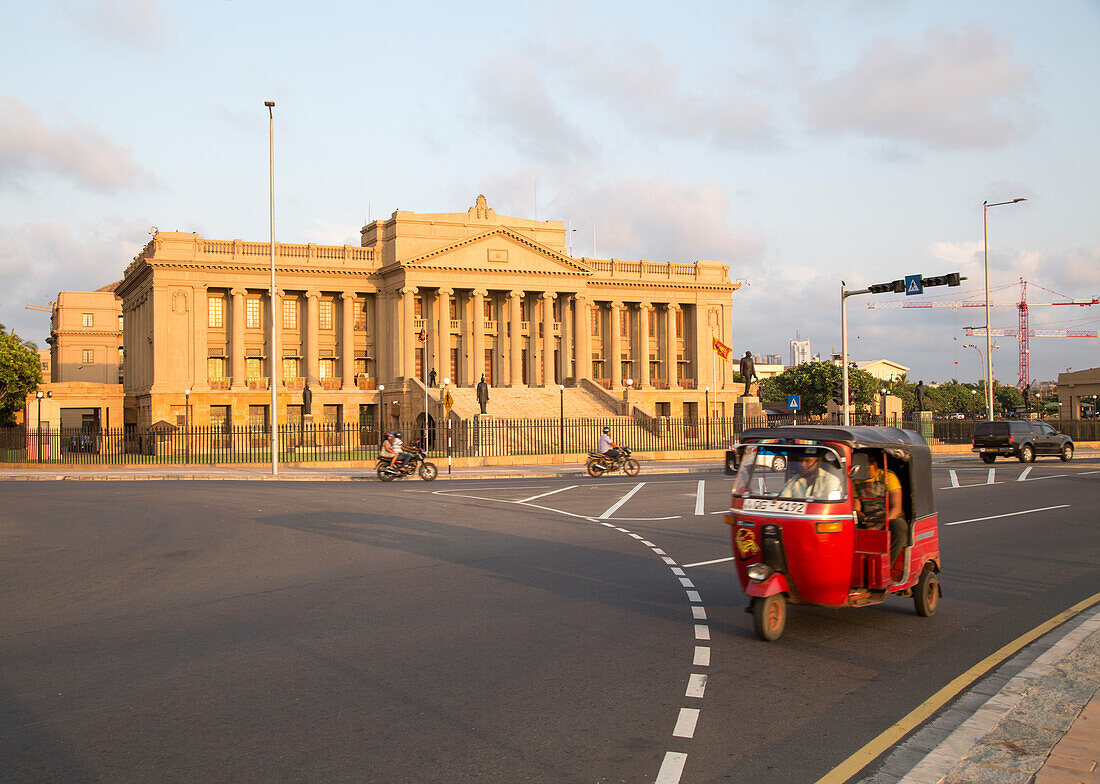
[{"x": 1022, "y": 439}]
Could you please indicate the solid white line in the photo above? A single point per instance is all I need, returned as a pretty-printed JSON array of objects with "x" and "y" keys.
[
  {"x": 963, "y": 487},
  {"x": 708, "y": 563},
  {"x": 697, "y": 684},
  {"x": 672, "y": 768},
  {"x": 702, "y": 656},
  {"x": 1023, "y": 475},
  {"x": 621, "y": 501},
  {"x": 543, "y": 495},
  {"x": 699, "y": 497},
  {"x": 1085, "y": 473},
  {"x": 1048, "y": 476},
  {"x": 989, "y": 479},
  {"x": 1010, "y": 514},
  {"x": 954, "y": 478},
  {"x": 685, "y": 723},
  {"x": 702, "y": 631},
  {"x": 699, "y": 613}
]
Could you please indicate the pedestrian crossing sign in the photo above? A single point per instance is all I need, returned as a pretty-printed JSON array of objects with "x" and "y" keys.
[
  {"x": 448, "y": 401},
  {"x": 914, "y": 284}
]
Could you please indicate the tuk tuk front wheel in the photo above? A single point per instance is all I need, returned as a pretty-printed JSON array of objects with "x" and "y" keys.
[
  {"x": 926, "y": 596},
  {"x": 769, "y": 616}
]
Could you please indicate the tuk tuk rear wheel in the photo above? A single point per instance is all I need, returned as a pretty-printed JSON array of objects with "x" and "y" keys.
[
  {"x": 926, "y": 596},
  {"x": 769, "y": 616}
]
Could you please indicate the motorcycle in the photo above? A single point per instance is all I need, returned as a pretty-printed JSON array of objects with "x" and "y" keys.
[
  {"x": 599, "y": 464},
  {"x": 417, "y": 462}
]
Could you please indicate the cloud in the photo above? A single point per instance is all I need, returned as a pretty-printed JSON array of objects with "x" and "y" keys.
[
  {"x": 78, "y": 152},
  {"x": 517, "y": 100},
  {"x": 658, "y": 219},
  {"x": 945, "y": 89},
  {"x": 37, "y": 260},
  {"x": 132, "y": 22},
  {"x": 636, "y": 82}
]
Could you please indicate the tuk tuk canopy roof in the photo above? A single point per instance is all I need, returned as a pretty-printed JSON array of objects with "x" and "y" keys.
[{"x": 907, "y": 445}]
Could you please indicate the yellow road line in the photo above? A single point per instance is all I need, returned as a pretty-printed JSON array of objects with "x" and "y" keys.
[{"x": 858, "y": 761}]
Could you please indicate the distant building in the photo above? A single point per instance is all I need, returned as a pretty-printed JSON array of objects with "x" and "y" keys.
[
  {"x": 773, "y": 359},
  {"x": 800, "y": 352},
  {"x": 86, "y": 337}
]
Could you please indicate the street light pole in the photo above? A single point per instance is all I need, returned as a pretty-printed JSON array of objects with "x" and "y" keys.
[
  {"x": 988, "y": 337},
  {"x": 38, "y": 431},
  {"x": 187, "y": 420},
  {"x": 274, "y": 352},
  {"x": 706, "y": 398},
  {"x": 561, "y": 396}
]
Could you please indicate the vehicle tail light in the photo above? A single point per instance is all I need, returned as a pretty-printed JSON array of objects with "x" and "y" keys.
[
  {"x": 1012, "y": 439},
  {"x": 829, "y": 528}
]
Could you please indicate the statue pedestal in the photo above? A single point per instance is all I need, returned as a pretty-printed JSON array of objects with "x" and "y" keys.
[
  {"x": 924, "y": 422},
  {"x": 309, "y": 436},
  {"x": 748, "y": 407},
  {"x": 483, "y": 434}
]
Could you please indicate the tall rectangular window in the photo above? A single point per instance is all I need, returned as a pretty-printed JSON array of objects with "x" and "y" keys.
[
  {"x": 119, "y": 322},
  {"x": 324, "y": 315},
  {"x": 488, "y": 304},
  {"x": 86, "y": 319},
  {"x": 327, "y": 368},
  {"x": 290, "y": 313},
  {"x": 215, "y": 367},
  {"x": 679, "y": 323},
  {"x": 453, "y": 309},
  {"x": 290, "y": 367},
  {"x": 624, "y": 321},
  {"x": 87, "y": 356},
  {"x": 253, "y": 367},
  {"x": 418, "y": 307},
  {"x": 216, "y": 313},
  {"x": 360, "y": 315},
  {"x": 252, "y": 313},
  {"x": 595, "y": 321}
]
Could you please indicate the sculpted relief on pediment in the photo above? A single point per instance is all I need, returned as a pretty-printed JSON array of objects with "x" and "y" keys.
[{"x": 498, "y": 250}]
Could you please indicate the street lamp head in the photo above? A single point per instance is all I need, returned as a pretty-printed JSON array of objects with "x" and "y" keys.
[
  {"x": 706, "y": 389},
  {"x": 630, "y": 382},
  {"x": 446, "y": 381},
  {"x": 381, "y": 387},
  {"x": 38, "y": 395},
  {"x": 269, "y": 104},
  {"x": 187, "y": 392},
  {"x": 561, "y": 387}
]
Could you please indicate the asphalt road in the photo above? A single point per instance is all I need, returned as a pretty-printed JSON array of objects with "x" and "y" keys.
[{"x": 479, "y": 631}]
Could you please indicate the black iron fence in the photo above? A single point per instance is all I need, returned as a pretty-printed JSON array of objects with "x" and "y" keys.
[{"x": 478, "y": 437}]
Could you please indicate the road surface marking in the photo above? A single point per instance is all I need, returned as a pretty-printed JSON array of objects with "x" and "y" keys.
[
  {"x": 708, "y": 563},
  {"x": 1023, "y": 474},
  {"x": 615, "y": 506},
  {"x": 693, "y": 596},
  {"x": 702, "y": 631},
  {"x": 697, "y": 684},
  {"x": 685, "y": 723},
  {"x": 699, "y": 497},
  {"x": 686, "y": 582},
  {"x": 1084, "y": 473},
  {"x": 658, "y": 550},
  {"x": 668, "y": 561},
  {"x": 699, "y": 613},
  {"x": 648, "y": 543},
  {"x": 702, "y": 656},
  {"x": 992, "y": 473},
  {"x": 873, "y": 748},
  {"x": 1048, "y": 476},
  {"x": 672, "y": 768},
  {"x": 954, "y": 478},
  {"x": 543, "y": 495},
  {"x": 676, "y": 570},
  {"x": 1008, "y": 514}
]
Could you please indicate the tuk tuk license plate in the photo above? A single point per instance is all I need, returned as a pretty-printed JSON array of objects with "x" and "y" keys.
[{"x": 762, "y": 505}]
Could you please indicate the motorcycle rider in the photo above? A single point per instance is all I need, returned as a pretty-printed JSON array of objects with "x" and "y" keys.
[
  {"x": 400, "y": 456},
  {"x": 385, "y": 449},
  {"x": 607, "y": 447}
]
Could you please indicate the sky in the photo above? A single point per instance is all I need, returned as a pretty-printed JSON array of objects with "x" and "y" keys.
[{"x": 801, "y": 143}]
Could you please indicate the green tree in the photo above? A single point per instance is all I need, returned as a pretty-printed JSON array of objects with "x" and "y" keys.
[
  {"x": 815, "y": 381},
  {"x": 20, "y": 374}
]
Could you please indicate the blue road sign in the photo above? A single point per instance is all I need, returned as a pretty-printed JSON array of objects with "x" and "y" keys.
[
  {"x": 914, "y": 284},
  {"x": 794, "y": 403}
]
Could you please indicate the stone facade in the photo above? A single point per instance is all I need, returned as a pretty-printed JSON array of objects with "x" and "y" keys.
[
  {"x": 463, "y": 294},
  {"x": 86, "y": 337}
]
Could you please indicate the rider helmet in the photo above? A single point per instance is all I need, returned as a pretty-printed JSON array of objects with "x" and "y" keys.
[
  {"x": 399, "y": 434},
  {"x": 607, "y": 430}
]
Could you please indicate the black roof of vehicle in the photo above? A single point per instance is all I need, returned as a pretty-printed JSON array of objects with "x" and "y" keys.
[{"x": 908, "y": 445}]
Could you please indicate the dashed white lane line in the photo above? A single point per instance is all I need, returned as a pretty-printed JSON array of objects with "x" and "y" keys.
[
  {"x": 672, "y": 768},
  {"x": 699, "y": 497},
  {"x": 708, "y": 563},
  {"x": 697, "y": 685},
  {"x": 702, "y": 631},
  {"x": 992, "y": 473},
  {"x": 543, "y": 495},
  {"x": 615, "y": 506},
  {"x": 954, "y": 478},
  {"x": 698, "y": 613},
  {"x": 686, "y": 582},
  {"x": 1008, "y": 514},
  {"x": 702, "y": 656},
  {"x": 685, "y": 723},
  {"x": 1023, "y": 474}
]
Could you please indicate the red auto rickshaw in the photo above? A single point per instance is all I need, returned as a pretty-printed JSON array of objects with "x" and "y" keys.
[{"x": 811, "y": 514}]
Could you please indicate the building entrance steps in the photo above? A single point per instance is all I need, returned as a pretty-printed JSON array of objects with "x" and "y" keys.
[{"x": 529, "y": 403}]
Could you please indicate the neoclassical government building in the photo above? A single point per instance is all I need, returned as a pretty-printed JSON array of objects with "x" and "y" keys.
[{"x": 465, "y": 295}]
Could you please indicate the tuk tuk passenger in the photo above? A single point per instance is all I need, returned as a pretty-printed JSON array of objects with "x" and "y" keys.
[{"x": 878, "y": 493}]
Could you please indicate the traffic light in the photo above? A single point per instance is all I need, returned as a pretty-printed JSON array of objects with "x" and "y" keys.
[
  {"x": 838, "y": 391},
  {"x": 895, "y": 286},
  {"x": 951, "y": 279}
]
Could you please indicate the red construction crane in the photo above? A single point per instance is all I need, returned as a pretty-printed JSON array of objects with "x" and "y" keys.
[{"x": 1022, "y": 334}]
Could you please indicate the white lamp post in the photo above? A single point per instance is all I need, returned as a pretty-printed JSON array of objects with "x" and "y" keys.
[
  {"x": 274, "y": 341},
  {"x": 988, "y": 338}
]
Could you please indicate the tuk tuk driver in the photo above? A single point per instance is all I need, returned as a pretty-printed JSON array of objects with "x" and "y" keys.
[
  {"x": 813, "y": 479},
  {"x": 879, "y": 492}
]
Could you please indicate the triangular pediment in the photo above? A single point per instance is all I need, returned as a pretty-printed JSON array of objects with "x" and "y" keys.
[{"x": 498, "y": 249}]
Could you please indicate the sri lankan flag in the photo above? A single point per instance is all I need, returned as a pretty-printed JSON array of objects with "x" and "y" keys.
[{"x": 722, "y": 349}]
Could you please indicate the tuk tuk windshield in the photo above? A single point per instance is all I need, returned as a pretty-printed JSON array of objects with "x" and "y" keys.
[{"x": 795, "y": 472}]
